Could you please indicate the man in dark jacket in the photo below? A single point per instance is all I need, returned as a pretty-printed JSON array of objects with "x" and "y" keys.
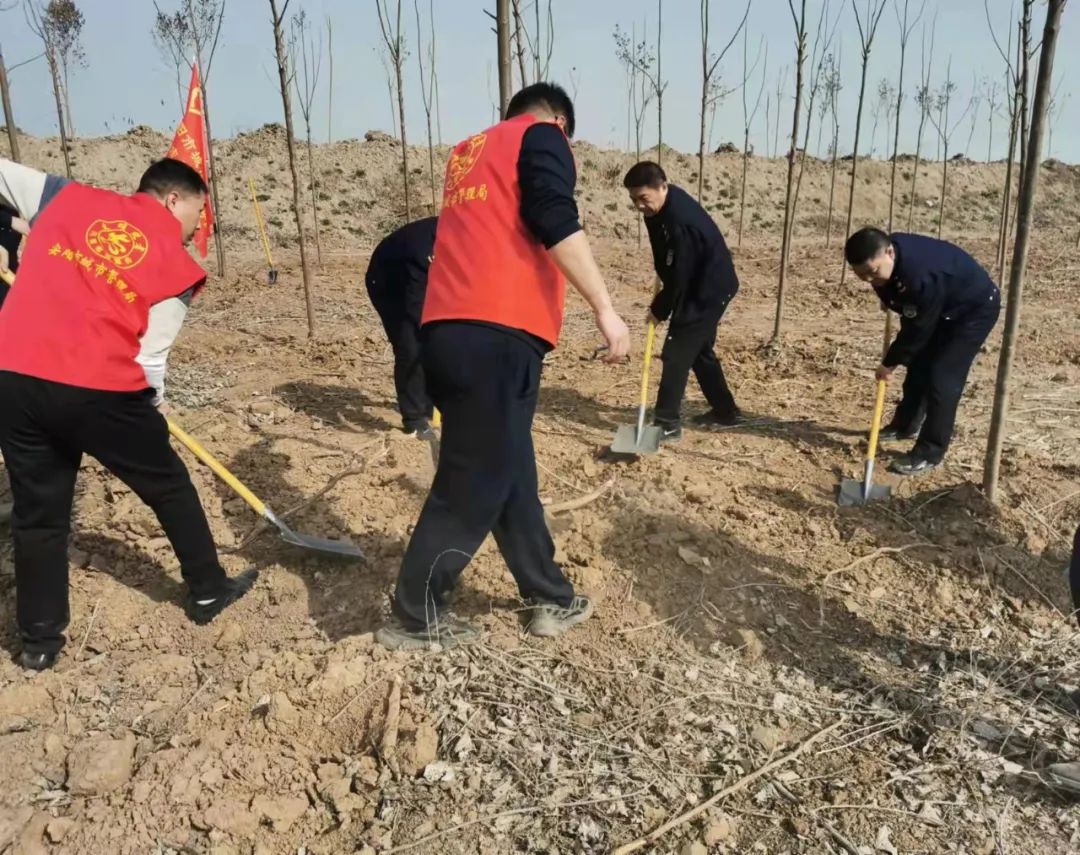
[
  {"x": 948, "y": 304},
  {"x": 698, "y": 278},
  {"x": 396, "y": 282}
]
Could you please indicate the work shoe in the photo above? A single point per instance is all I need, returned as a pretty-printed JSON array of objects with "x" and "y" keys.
[
  {"x": 669, "y": 433},
  {"x": 909, "y": 464},
  {"x": 420, "y": 429},
  {"x": 37, "y": 661},
  {"x": 891, "y": 433},
  {"x": 447, "y": 631},
  {"x": 550, "y": 619},
  {"x": 205, "y": 610},
  {"x": 713, "y": 419}
]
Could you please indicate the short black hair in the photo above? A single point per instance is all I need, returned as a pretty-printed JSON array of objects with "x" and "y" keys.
[
  {"x": 550, "y": 96},
  {"x": 644, "y": 174},
  {"x": 167, "y": 176},
  {"x": 865, "y": 244}
]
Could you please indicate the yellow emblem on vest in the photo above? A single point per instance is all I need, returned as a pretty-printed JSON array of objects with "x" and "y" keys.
[{"x": 118, "y": 242}]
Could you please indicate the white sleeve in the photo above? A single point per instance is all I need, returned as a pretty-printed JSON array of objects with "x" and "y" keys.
[
  {"x": 166, "y": 318},
  {"x": 21, "y": 187}
]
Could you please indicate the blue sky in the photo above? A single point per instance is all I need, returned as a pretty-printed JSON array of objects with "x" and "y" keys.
[{"x": 126, "y": 81}]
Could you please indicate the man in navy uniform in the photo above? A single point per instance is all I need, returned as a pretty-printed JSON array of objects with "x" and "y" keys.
[
  {"x": 948, "y": 304},
  {"x": 396, "y": 283},
  {"x": 698, "y": 277}
]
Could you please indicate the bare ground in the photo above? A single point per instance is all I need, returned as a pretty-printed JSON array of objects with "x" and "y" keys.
[{"x": 740, "y": 611}]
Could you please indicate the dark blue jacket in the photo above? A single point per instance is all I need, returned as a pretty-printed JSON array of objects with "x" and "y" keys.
[
  {"x": 692, "y": 260},
  {"x": 399, "y": 265},
  {"x": 933, "y": 281}
]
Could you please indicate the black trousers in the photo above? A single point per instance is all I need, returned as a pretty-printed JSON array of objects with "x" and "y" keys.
[
  {"x": 936, "y": 378},
  {"x": 45, "y": 428},
  {"x": 414, "y": 403},
  {"x": 485, "y": 383},
  {"x": 687, "y": 347}
]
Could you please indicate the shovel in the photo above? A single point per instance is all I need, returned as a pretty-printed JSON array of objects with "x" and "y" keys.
[
  {"x": 320, "y": 544},
  {"x": 271, "y": 273},
  {"x": 854, "y": 492},
  {"x": 640, "y": 439}
]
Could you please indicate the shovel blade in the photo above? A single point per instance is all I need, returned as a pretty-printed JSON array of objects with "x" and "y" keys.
[
  {"x": 271, "y": 276},
  {"x": 341, "y": 548},
  {"x": 852, "y": 493},
  {"x": 627, "y": 440}
]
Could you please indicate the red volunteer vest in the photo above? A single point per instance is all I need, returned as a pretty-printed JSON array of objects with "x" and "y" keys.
[
  {"x": 488, "y": 266},
  {"x": 96, "y": 261}
]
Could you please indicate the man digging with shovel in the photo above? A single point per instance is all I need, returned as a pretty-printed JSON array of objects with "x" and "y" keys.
[
  {"x": 507, "y": 241},
  {"x": 396, "y": 282},
  {"x": 101, "y": 275},
  {"x": 948, "y": 305},
  {"x": 699, "y": 281}
]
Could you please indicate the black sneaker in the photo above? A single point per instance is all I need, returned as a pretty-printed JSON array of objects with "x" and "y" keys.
[
  {"x": 420, "y": 429},
  {"x": 37, "y": 661},
  {"x": 891, "y": 433},
  {"x": 550, "y": 619},
  {"x": 205, "y": 610},
  {"x": 714, "y": 419},
  {"x": 447, "y": 631},
  {"x": 670, "y": 433},
  {"x": 909, "y": 464}
]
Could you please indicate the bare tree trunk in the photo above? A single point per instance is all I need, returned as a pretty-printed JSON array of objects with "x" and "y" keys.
[
  {"x": 742, "y": 193},
  {"x": 314, "y": 196},
  {"x": 211, "y": 163},
  {"x": 9, "y": 116},
  {"x": 915, "y": 171},
  {"x": 1025, "y": 205},
  {"x": 944, "y": 189},
  {"x": 789, "y": 197},
  {"x": 67, "y": 102},
  {"x": 50, "y": 56},
  {"x": 404, "y": 141},
  {"x": 1025, "y": 83},
  {"x": 427, "y": 86},
  {"x": 704, "y": 95},
  {"x": 659, "y": 83},
  {"x": 1006, "y": 195},
  {"x": 283, "y": 79},
  {"x": 855, "y": 159},
  {"x": 330, "y": 88},
  {"x": 832, "y": 185},
  {"x": 502, "y": 31},
  {"x": 896, "y": 129},
  {"x": 519, "y": 43}
]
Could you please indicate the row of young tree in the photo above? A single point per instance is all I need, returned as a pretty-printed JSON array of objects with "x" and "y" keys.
[{"x": 190, "y": 34}]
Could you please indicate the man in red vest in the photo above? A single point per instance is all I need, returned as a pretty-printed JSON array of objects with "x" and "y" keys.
[
  {"x": 101, "y": 274},
  {"x": 508, "y": 238}
]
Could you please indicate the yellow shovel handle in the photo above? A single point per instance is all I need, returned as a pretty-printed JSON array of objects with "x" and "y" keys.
[
  {"x": 649, "y": 338},
  {"x": 195, "y": 447},
  {"x": 875, "y": 427},
  {"x": 436, "y": 418},
  {"x": 262, "y": 226}
]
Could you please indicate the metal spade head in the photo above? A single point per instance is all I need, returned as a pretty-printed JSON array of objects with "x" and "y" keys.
[
  {"x": 341, "y": 548},
  {"x": 853, "y": 492},
  {"x": 271, "y": 276},
  {"x": 629, "y": 441}
]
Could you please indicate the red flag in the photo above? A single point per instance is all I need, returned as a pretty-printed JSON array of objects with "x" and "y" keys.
[{"x": 190, "y": 145}]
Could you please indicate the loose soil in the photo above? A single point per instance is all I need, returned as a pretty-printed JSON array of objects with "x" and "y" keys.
[{"x": 739, "y": 609}]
